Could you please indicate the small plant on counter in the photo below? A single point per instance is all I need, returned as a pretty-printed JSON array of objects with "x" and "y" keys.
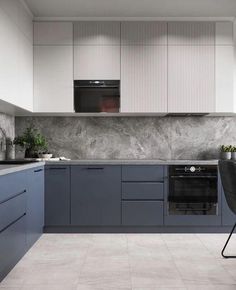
[
  {"x": 233, "y": 152},
  {"x": 32, "y": 141},
  {"x": 226, "y": 151}
]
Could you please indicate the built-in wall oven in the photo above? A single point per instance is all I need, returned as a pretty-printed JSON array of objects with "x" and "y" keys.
[
  {"x": 94, "y": 96},
  {"x": 193, "y": 190}
]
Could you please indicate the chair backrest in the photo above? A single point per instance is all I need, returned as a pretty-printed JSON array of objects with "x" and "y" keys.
[{"x": 228, "y": 179}]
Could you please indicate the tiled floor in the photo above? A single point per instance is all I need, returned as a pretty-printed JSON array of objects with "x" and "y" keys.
[{"x": 125, "y": 261}]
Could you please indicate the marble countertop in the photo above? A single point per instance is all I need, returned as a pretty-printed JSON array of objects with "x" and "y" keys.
[
  {"x": 133, "y": 162},
  {"x": 6, "y": 168}
]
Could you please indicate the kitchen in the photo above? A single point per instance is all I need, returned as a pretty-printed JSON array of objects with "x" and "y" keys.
[{"x": 122, "y": 114}]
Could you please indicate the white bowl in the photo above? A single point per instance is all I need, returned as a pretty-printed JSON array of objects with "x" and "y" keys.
[{"x": 45, "y": 156}]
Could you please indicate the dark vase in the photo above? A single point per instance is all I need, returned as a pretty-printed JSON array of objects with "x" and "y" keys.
[{"x": 29, "y": 153}]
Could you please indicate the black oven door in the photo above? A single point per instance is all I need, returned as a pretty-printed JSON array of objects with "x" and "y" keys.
[
  {"x": 193, "y": 194},
  {"x": 97, "y": 96}
]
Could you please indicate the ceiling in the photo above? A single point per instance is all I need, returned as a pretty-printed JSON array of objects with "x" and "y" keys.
[{"x": 132, "y": 8}]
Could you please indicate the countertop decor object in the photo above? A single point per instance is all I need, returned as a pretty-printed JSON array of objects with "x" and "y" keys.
[
  {"x": 226, "y": 152},
  {"x": 233, "y": 153},
  {"x": 32, "y": 141}
]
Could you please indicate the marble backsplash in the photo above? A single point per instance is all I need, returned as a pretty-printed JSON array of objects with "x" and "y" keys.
[
  {"x": 7, "y": 129},
  {"x": 134, "y": 137}
]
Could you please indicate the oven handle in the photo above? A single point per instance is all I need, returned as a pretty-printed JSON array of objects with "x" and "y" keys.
[
  {"x": 194, "y": 209},
  {"x": 203, "y": 177}
]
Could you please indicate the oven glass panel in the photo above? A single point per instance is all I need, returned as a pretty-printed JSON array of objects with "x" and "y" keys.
[
  {"x": 89, "y": 99},
  {"x": 193, "y": 193}
]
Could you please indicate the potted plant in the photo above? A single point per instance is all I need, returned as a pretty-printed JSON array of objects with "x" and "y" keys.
[
  {"x": 233, "y": 153},
  {"x": 226, "y": 151},
  {"x": 32, "y": 141}
]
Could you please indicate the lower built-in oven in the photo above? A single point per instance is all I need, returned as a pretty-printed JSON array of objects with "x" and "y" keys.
[{"x": 193, "y": 190}]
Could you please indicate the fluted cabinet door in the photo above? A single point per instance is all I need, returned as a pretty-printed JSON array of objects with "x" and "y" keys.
[
  {"x": 144, "y": 33},
  {"x": 191, "y": 79},
  {"x": 97, "y": 33},
  {"x": 143, "y": 79},
  {"x": 97, "y": 62},
  {"x": 191, "y": 33}
]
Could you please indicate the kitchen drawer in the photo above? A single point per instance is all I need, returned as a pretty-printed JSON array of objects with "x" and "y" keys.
[
  {"x": 12, "y": 184},
  {"x": 142, "y": 213},
  {"x": 12, "y": 246},
  {"x": 142, "y": 173},
  {"x": 12, "y": 209},
  {"x": 142, "y": 190}
]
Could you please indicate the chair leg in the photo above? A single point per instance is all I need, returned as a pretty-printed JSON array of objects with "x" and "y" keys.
[{"x": 222, "y": 252}]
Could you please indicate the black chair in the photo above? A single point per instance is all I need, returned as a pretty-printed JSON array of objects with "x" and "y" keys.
[{"x": 228, "y": 178}]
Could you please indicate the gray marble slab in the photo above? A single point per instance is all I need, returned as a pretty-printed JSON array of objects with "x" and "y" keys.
[
  {"x": 134, "y": 137},
  {"x": 6, "y": 169}
]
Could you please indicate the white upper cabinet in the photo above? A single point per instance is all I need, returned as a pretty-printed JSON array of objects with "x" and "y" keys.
[
  {"x": 16, "y": 57},
  {"x": 224, "y": 33},
  {"x": 96, "y": 33},
  {"x": 143, "y": 33},
  {"x": 144, "y": 79},
  {"x": 191, "y": 33},
  {"x": 53, "y": 67},
  {"x": 191, "y": 79},
  {"x": 96, "y": 50},
  {"x": 97, "y": 62},
  {"x": 224, "y": 67},
  {"x": 53, "y": 81},
  {"x": 144, "y": 67},
  {"x": 191, "y": 67},
  {"x": 53, "y": 33}
]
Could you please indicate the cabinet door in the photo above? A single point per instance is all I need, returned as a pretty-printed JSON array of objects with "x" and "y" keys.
[
  {"x": 53, "y": 78},
  {"x": 142, "y": 213},
  {"x": 97, "y": 62},
  {"x": 143, "y": 33},
  {"x": 57, "y": 195},
  {"x": 96, "y": 195},
  {"x": 26, "y": 72},
  {"x": 191, "y": 79},
  {"x": 35, "y": 205},
  {"x": 8, "y": 60},
  {"x": 53, "y": 33},
  {"x": 96, "y": 33},
  {"x": 224, "y": 58},
  {"x": 191, "y": 33},
  {"x": 143, "y": 78},
  {"x": 12, "y": 246},
  {"x": 97, "y": 50}
]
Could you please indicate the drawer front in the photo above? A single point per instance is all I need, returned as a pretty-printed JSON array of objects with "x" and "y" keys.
[
  {"x": 142, "y": 173},
  {"x": 12, "y": 246},
  {"x": 142, "y": 190},
  {"x": 12, "y": 209},
  {"x": 142, "y": 213},
  {"x": 12, "y": 184}
]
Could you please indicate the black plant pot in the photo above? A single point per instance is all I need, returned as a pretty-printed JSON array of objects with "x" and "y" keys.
[{"x": 29, "y": 153}]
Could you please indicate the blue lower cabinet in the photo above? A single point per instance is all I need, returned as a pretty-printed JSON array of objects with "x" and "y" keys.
[
  {"x": 12, "y": 245},
  {"x": 96, "y": 195},
  {"x": 12, "y": 209},
  {"x": 142, "y": 213},
  {"x": 57, "y": 195},
  {"x": 35, "y": 204}
]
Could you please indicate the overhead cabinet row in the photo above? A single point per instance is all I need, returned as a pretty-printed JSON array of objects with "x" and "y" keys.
[{"x": 163, "y": 67}]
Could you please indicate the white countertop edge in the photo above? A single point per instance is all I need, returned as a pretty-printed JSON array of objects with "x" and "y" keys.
[{"x": 12, "y": 168}]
